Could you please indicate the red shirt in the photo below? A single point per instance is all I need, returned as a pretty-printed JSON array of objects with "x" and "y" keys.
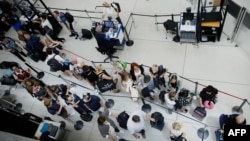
[{"x": 22, "y": 74}]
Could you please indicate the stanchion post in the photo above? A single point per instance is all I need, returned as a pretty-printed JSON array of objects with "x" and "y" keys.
[
  {"x": 238, "y": 109},
  {"x": 156, "y": 22},
  {"x": 145, "y": 107},
  {"x": 128, "y": 42},
  {"x": 196, "y": 88},
  {"x": 203, "y": 133}
]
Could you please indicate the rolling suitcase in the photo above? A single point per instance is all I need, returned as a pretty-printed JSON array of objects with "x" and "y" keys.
[
  {"x": 159, "y": 121},
  {"x": 199, "y": 113}
]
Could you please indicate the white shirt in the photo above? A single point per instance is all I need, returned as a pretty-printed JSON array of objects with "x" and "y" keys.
[
  {"x": 136, "y": 127},
  {"x": 79, "y": 63},
  {"x": 169, "y": 103},
  {"x": 176, "y": 132},
  {"x": 46, "y": 23},
  {"x": 128, "y": 83},
  {"x": 57, "y": 57},
  {"x": 109, "y": 12}
]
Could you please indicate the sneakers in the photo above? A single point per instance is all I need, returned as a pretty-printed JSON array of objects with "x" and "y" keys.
[
  {"x": 117, "y": 130},
  {"x": 143, "y": 135},
  {"x": 71, "y": 35},
  {"x": 76, "y": 36}
]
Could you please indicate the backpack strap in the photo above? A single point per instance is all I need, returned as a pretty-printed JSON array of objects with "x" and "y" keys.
[{"x": 100, "y": 76}]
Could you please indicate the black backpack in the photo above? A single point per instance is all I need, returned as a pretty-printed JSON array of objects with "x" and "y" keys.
[
  {"x": 69, "y": 17},
  {"x": 159, "y": 121},
  {"x": 116, "y": 6},
  {"x": 162, "y": 96},
  {"x": 54, "y": 64},
  {"x": 184, "y": 93},
  {"x": 122, "y": 119},
  {"x": 86, "y": 34},
  {"x": 161, "y": 69}
]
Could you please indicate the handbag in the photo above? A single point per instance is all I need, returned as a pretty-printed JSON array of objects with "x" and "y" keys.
[
  {"x": 86, "y": 117},
  {"x": 105, "y": 85},
  {"x": 200, "y": 111},
  {"x": 8, "y": 80}
]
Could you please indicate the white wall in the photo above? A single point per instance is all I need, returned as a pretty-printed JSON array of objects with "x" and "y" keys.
[{"x": 242, "y": 38}]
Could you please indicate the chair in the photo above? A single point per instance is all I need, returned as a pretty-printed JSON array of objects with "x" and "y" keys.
[
  {"x": 171, "y": 26},
  {"x": 108, "y": 52},
  {"x": 105, "y": 46}
]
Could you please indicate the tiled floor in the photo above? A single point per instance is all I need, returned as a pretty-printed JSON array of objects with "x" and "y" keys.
[{"x": 219, "y": 64}]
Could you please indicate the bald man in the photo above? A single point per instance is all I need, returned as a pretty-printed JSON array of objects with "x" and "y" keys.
[{"x": 76, "y": 68}]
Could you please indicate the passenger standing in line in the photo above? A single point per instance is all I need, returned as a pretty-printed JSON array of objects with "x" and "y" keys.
[
  {"x": 208, "y": 97},
  {"x": 107, "y": 127},
  {"x": 137, "y": 74},
  {"x": 136, "y": 123},
  {"x": 158, "y": 73},
  {"x": 66, "y": 22},
  {"x": 12, "y": 47}
]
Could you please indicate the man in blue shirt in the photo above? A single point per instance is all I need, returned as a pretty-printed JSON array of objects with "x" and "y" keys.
[
  {"x": 36, "y": 45},
  {"x": 66, "y": 22},
  {"x": 55, "y": 108},
  {"x": 11, "y": 46},
  {"x": 92, "y": 103}
]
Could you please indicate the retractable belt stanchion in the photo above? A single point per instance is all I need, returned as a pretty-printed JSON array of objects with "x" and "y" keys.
[
  {"x": 145, "y": 107},
  {"x": 203, "y": 132},
  {"x": 238, "y": 109}
]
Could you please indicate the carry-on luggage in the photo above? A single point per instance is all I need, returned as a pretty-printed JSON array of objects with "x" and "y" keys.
[
  {"x": 86, "y": 34},
  {"x": 159, "y": 121},
  {"x": 122, "y": 119},
  {"x": 8, "y": 80},
  {"x": 199, "y": 112}
]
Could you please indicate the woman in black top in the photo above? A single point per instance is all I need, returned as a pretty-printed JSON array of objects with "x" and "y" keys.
[
  {"x": 208, "y": 96},
  {"x": 137, "y": 74},
  {"x": 91, "y": 76}
]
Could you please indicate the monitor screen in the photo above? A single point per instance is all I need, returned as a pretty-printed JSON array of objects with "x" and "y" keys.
[
  {"x": 109, "y": 24},
  {"x": 188, "y": 16}
]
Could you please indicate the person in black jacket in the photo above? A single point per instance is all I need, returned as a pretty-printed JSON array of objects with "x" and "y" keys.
[
  {"x": 208, "y": 96},
  {"x": 230, "y": 120},
  {"x": 157, "y": 73}
]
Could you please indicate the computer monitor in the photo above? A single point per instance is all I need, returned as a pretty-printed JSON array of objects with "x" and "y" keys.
[
  {"x": 108, "y": 25},
  {"x": 188, "y": 16}
]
